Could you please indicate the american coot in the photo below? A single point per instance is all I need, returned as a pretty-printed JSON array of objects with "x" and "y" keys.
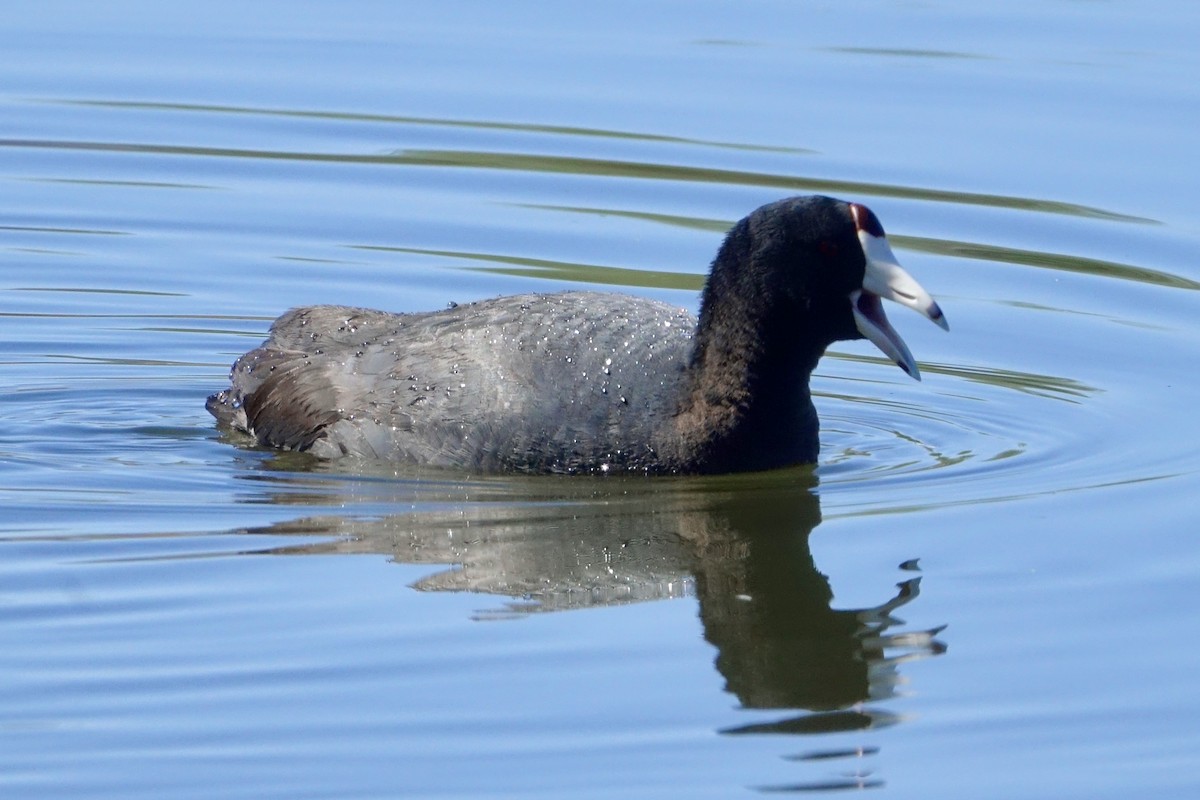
[{"x": 591, "y": 382}]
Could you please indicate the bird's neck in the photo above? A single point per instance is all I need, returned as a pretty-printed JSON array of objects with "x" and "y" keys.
[{"x": 747, "y": 403}]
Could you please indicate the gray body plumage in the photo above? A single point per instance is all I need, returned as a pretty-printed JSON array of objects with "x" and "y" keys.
[{"x": 568, "y": 382}]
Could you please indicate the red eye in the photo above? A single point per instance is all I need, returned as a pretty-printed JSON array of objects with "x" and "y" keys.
[{"x": 827, "y": 248}]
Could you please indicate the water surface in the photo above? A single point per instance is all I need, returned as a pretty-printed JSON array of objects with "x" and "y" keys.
[{"x": 983, "y": 589}]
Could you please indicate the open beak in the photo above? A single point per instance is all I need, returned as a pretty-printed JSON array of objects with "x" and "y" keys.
[{"x": 885, "y": 279}]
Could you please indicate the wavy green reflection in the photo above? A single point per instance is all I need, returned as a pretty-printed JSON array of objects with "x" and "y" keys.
[
  {"x": 440, "y": 122},
  {"x": 610, "y": 168},
  {"x": 1035, "y": 258},
  {"x": 692, "y": 223},
  {"x": 1052, "y": 387},
  {"x": 520, "y": 266},
  {"x": 672, "y": 172}
]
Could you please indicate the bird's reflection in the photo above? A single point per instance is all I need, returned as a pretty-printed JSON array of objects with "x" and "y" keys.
[{"x": 739, "y": 545}]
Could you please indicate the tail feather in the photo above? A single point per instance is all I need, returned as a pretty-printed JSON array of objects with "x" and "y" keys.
[{"x": 277, "y": 397}]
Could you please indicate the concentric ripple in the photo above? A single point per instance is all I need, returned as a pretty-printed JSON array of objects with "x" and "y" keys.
[{"x": 981, "y": 435}]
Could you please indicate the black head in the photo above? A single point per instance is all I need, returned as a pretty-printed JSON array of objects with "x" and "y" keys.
[{"x": 804, "y": 272}]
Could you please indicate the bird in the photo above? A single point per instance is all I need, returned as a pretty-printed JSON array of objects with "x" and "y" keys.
[{"x": 585, "y": 382}]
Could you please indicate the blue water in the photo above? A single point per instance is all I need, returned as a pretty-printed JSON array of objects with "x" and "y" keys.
[{"x": 984, "y": 589}]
